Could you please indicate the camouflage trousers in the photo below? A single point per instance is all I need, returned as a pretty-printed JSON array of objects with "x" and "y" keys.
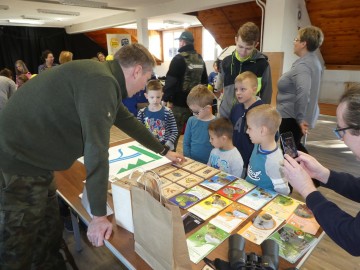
[
  {"x": 181, "y": 115},
  {"x": 30, "y": 227}
]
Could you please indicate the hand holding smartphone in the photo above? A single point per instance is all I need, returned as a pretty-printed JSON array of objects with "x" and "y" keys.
[{"x": 288, "y": 144}]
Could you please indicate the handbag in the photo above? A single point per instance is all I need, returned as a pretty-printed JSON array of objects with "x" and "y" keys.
[{"x": 158, "y": 228}]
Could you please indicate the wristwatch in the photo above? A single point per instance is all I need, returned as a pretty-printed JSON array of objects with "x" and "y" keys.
[{"x": 165, "y": 150}]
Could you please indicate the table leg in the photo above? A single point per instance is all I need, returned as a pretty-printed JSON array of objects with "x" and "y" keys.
[{"x": 75, "y": 224}]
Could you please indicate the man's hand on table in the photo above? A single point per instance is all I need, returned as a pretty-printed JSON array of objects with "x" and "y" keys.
[
  {"x": 175, "y": 157},
  {"x": 99, "y": 229}
]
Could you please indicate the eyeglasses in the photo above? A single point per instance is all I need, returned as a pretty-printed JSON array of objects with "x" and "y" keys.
[
  {"x": 340, "y": 132},
  {"x": 198, "y": 112},
  {"x": 296, "y": 39}
]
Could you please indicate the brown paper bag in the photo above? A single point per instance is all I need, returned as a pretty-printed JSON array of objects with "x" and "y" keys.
[
  {"x": 159, "y": 233},
  {"x": 121, "y": 195}
]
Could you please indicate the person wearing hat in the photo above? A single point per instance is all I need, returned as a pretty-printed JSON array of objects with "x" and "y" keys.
[{"x": 186, "y": 70}]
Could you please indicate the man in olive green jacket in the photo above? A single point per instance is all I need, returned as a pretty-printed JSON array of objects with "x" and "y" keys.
[{"x": 58, "y": 116}]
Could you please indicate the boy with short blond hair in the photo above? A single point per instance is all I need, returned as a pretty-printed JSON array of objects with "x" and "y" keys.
[
  {"x": 266, "y": 160},
  {"x": 245, "y": 92},
  {"x": 158, "y": 119},
  {"x": 196, "y": 143},
  {"x": 225, "y": 155}
]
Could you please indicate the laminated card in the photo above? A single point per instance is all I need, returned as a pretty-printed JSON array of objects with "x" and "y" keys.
[
  {"x": 185, "y": 163},
  {"x": 293, "y": 242},
  {"x": 203, "y": 241},
  {"x": 257, "y": 198},
  {"x": 171, "y": 190},
  {"x": 191, "y": 221},
  {"x": 282, "y": 206},
  {"x": 236, "y": 189},
  {"x": 176, "y": 175},
  {"x": 218, "y": 181},
  {"x": 190, "y": 181},
  {"x": 165, "y": 169},
  {"x": 207, "y": 172},
  {"x": 232, "y": 216},
  {"x": 190, "y": 196},
  {"x": 195, "y": 166},
  {"x": 261, "y": 227},
  {"x": 304, "y": 219},
  {"x": 210, "y": 206}
]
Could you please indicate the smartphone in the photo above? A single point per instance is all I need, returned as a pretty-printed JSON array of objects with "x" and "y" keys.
[{"x": 288, "y": 144}]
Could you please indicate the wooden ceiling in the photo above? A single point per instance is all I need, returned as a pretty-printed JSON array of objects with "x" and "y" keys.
[
  {"x": 337, "y": 19},
  {"x": 340, "y": 23},
  {"x": 223, "y": 23}
]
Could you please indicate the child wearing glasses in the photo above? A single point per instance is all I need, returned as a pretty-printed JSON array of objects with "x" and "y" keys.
[
  {"x": 265, "y": 165},
  {"x": 158, "y": 119},
  {"x": 196, "y": 143},
  {"x": 246, "y": 85},
  {"x": 225, "y": 155}
]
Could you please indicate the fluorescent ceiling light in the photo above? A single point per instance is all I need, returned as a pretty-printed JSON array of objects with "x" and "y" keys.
[
  {"x": 84, "y": 3},
  {"x": 59, "y": 12},
  {"x": 25, "y": 21},
  {"x": 4, "y": 7},
  {"x": 91, "y": 4},
  {"x": 172, "y": 22},
  {"x": 30, "y": 18},
  {"x": 81, "y": 3}
]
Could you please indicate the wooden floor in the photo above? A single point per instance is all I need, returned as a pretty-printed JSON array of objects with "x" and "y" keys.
[{"x": 322, "y": 144}]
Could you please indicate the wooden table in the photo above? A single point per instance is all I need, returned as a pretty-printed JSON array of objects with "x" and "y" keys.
[{"x": 121, "y": 244}]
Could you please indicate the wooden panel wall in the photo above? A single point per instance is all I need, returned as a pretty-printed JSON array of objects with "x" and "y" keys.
[
  {"x": 197, "y": 33},
  {"x": 224, "y": 22},
  {"x": 340, "y": 23},
  {"x": 276, "y": 60}
]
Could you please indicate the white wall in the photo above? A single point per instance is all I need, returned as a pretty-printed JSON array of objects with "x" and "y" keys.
[
  {"x": 281, "y": 26},
  {"x": 333, "y": 83}
]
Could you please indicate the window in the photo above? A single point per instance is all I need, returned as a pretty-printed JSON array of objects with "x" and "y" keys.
[
  {"x": 210, "y": 49},
  {"x": 154, "y": 45},
  {"x": 170, "y": 45}
]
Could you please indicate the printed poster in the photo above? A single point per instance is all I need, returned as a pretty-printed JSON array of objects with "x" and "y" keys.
[
  {"x": 116, "y": 41},
  {"x": 124, "y": 158}
]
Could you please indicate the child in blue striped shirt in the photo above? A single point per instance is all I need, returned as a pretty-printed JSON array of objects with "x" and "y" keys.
[{"x": 158, "y": 119}]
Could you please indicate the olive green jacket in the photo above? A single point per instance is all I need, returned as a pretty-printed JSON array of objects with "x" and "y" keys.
[{"x": 65, "y": 113}]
